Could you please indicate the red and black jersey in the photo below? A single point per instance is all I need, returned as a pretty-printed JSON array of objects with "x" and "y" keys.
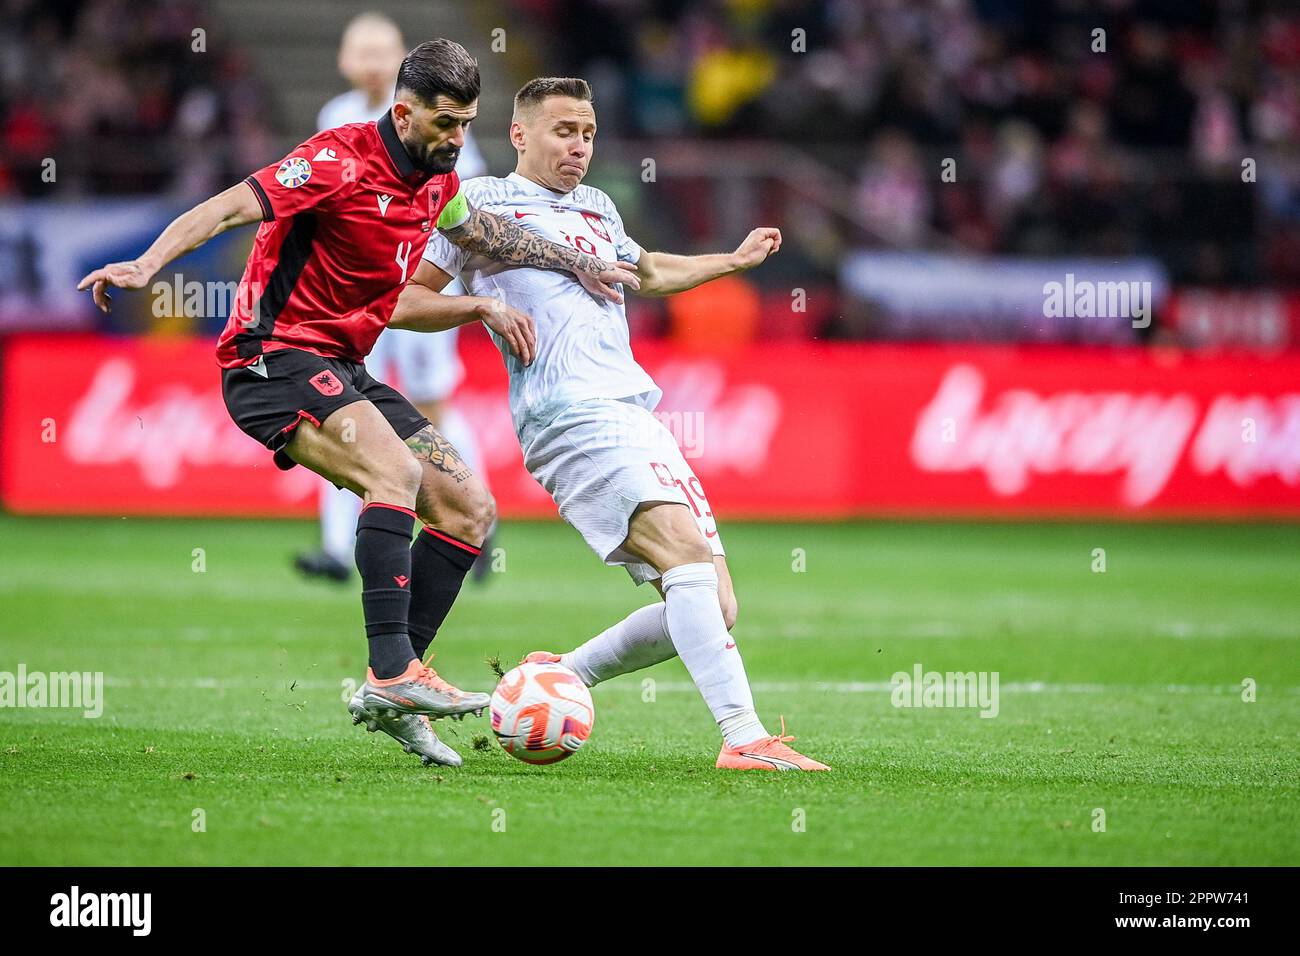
[{"x": 346, "y": 217}]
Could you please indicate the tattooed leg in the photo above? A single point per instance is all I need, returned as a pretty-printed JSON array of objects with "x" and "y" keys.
[
  {"x": 457, "y": 511},
  {"x": 451, "y": 497},
  {"x": 428, "y": 445}
]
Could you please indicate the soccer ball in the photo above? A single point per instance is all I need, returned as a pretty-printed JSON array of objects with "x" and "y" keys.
[{"x": 541, "y": 713}]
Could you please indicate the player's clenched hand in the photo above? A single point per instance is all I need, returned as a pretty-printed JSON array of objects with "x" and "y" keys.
[
  {"x": 602, "y": 283},
  {"x": 122, "y": 275},
  {"x": 512, "y": 325},
  {"x": 758, "y": 245}
]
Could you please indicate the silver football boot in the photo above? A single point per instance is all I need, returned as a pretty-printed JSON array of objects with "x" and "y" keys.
[
  {"x": 420, "y": 691},
  {"x": 412, "y": 731}
]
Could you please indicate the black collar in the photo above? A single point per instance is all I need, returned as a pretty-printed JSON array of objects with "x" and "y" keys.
[{"x": 393, "y": 143}]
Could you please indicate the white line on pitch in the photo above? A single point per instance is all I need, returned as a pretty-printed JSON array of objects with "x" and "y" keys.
[{"x": 683, "y": 687}]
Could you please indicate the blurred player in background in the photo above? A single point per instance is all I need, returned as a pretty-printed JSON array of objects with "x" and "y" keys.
[
  {"x": 583, "y": 415},
  {"x": 425, "y": 367}
]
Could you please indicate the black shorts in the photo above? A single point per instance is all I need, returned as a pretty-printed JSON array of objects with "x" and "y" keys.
[{"x": 301, "y": 385}]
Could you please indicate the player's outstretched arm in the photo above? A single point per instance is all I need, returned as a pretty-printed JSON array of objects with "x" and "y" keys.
[
  {"x": 422, "y": 308},
  {"x": 237, "y": 206},
  {"x": 493, "y": 237},
  {"x": 664, "y": 274}
]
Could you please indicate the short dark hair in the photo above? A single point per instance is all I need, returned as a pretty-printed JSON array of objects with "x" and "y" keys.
[
  {"x": 440, "y": 68},
  {"x": 539, "y": 88}
]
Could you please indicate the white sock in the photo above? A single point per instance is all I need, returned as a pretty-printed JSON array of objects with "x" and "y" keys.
[
  {"x": 700, "y": 635},
  {"x": 637, "y": 641},
  {"x": 339, "y": 511}
]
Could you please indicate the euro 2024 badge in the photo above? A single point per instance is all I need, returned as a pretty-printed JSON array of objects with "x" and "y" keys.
[{"x": 293, "y": 172}]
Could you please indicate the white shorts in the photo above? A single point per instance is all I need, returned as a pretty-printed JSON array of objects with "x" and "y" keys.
[
  {"x": 599, "y": 460},
  {"x": 423, "y": 366}
]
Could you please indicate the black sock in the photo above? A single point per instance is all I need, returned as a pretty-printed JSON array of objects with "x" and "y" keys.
[
  {"x": 384, "y": 560},
  {"x": 438, "y": 566}
]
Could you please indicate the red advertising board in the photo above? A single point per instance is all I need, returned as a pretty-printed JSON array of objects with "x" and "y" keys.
[{"x": 99, "y": 426}]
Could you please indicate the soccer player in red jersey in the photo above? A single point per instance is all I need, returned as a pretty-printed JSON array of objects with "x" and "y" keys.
[{"x": 344, "y": 221}]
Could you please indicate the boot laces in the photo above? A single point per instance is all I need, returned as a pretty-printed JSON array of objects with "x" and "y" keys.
[
  {"x": 429, "y": 678},
  {"x": 783, "y": 737}
]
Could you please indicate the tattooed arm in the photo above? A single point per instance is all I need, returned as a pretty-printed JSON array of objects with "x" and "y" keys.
[
  {"x": 422, "y": 308},
  {"x": 493, "y": 237}
]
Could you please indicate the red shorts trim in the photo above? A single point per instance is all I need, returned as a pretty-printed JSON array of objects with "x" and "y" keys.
[{"x": 302, "y": 413}]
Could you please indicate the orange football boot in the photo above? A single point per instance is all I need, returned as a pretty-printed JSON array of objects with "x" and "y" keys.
[{"x": 766, "y": 753}]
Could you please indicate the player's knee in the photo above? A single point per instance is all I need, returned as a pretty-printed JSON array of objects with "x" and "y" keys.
[
  {"x": 410, "y": 474},
  {"x": 730, "y": 609},
  {"x": 692, "y": 550},
  {"x": 469, "y": 516},
  {"x": 483, "y": 513},
  {"x": 398, "y": 484}
]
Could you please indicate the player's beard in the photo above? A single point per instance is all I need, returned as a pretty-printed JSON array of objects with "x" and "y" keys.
[
  {"x": 436, "y": 162},
  {"x": 442, "y": 160}
]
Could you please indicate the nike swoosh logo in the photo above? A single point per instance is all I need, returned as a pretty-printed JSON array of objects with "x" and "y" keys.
[
  {"x": 730, "y": 645},
  {"x": 520, "y": 215},
  {"x": 711, "y": 534}
]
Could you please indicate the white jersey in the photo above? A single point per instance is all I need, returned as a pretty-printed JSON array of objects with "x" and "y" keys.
[{"x": 583, "y": 351}]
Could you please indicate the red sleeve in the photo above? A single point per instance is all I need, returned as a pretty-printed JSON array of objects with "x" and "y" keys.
[{"x": 321, "y": 169}]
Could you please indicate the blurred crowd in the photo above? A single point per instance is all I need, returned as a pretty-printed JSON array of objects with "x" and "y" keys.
[
  {"x": 128, "y": 96},
  {"x": 1105, "y": 128},
  {"x": 1065, "y": 140}
]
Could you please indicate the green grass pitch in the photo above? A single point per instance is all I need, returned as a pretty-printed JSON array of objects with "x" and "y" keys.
[{"x": 1120, "y": 691}]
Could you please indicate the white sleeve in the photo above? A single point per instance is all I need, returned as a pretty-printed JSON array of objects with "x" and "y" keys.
[
  {"x": 626, "y": 249},
  {"x": 445, "y": 254}
]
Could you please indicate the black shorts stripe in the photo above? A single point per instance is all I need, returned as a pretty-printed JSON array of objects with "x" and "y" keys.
[{"x": 294, "y": 253}]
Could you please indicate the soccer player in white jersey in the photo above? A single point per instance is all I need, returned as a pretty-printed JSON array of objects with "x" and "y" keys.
[
  {"x": 583, "y": 414},
  {"x": 426, "y": 367}
]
